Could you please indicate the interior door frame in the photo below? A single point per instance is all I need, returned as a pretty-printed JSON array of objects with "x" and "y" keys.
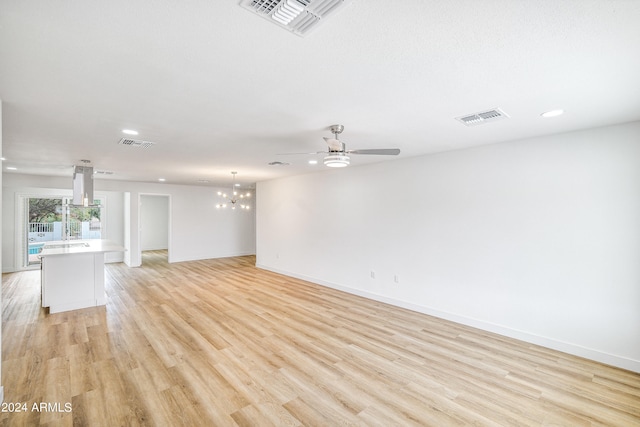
[{"x": 169, "y": 223}]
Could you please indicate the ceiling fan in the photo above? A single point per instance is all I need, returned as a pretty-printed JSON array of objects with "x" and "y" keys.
[{"x": 338, "y": 155}]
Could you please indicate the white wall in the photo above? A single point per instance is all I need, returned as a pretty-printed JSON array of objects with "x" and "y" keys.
[
  {"x": 154, "y": 222},
  {"x": 1, "y": 263},
  {"x": 198, "y": 229},
  {"x": 536, "y": 239}
]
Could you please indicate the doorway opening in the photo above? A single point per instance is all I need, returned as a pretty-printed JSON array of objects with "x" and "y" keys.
[{"x": 154, "y": 226}]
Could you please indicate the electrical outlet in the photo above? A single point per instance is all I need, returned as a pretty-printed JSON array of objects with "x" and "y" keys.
[
  {"x": 396, "y": 278},
  {"x": 373, "y": 274}
]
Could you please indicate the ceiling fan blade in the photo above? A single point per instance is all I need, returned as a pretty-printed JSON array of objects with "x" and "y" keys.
[
  {"x": 293, "y": 154},
  {"x": 383, "y": 151},
  {"x": 334, "y": 144}
]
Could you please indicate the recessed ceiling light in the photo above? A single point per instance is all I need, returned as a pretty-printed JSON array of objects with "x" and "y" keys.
[
  {"x": 3, "y": 159},
  {"x": 161, "y": 179},
  {"x": 11, "y": 168},
  {"x": 130, "y": 131},
  {"x": 553, "y": 113},
  {"x": 313, "y": 162}
]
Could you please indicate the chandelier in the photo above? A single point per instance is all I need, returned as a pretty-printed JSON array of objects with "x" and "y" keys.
[{"x": 236, "y": 198}]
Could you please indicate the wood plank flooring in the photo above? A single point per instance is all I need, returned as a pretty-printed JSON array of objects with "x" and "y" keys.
[{"x": 222, "y": 343}]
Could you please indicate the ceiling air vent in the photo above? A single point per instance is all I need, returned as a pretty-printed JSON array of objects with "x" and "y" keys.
[
  {"x": 297, "y": 16},
  {"x": 135, "y": 143},
  {"x": 483, "y": 117}
]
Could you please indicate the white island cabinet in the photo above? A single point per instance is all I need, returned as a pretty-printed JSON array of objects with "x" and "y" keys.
[{"x": 73, "y": 273}]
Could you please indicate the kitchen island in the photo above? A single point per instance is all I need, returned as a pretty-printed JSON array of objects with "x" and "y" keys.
[{"x": 72, "y": 273}]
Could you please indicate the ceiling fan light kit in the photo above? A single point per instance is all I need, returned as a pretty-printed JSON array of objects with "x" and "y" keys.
[{"x": 336, "y": 160}]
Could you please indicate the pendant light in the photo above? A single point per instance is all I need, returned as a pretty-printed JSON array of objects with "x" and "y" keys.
[{"x": 235, "y": 198}]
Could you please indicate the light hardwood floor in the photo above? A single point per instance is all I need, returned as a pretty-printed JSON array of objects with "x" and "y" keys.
[{"x": 220, "y": 342}]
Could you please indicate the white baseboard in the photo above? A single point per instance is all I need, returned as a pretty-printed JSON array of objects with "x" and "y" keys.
[
  {"x": 576, "y": 350},
  {"x": 1, "y": 394},
  {"x": 75, "y": 305},
  {"x": 212, "y": 256}
]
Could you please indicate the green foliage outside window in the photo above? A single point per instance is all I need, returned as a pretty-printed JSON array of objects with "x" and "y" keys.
[{"x": 50, "y": 210}]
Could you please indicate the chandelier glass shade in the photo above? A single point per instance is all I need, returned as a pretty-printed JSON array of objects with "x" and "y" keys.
[{"x": 235, "y": 198}]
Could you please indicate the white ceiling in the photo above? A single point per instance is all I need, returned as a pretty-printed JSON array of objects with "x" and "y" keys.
[{"x": 218, "y": 88}]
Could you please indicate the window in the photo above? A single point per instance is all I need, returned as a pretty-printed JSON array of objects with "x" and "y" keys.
[{"x": 54, "y": 218}]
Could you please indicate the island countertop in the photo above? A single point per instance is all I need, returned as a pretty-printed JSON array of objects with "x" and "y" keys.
[
  {"x": 70, "y": 247},
  {"x": 72, "y": 273}
]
